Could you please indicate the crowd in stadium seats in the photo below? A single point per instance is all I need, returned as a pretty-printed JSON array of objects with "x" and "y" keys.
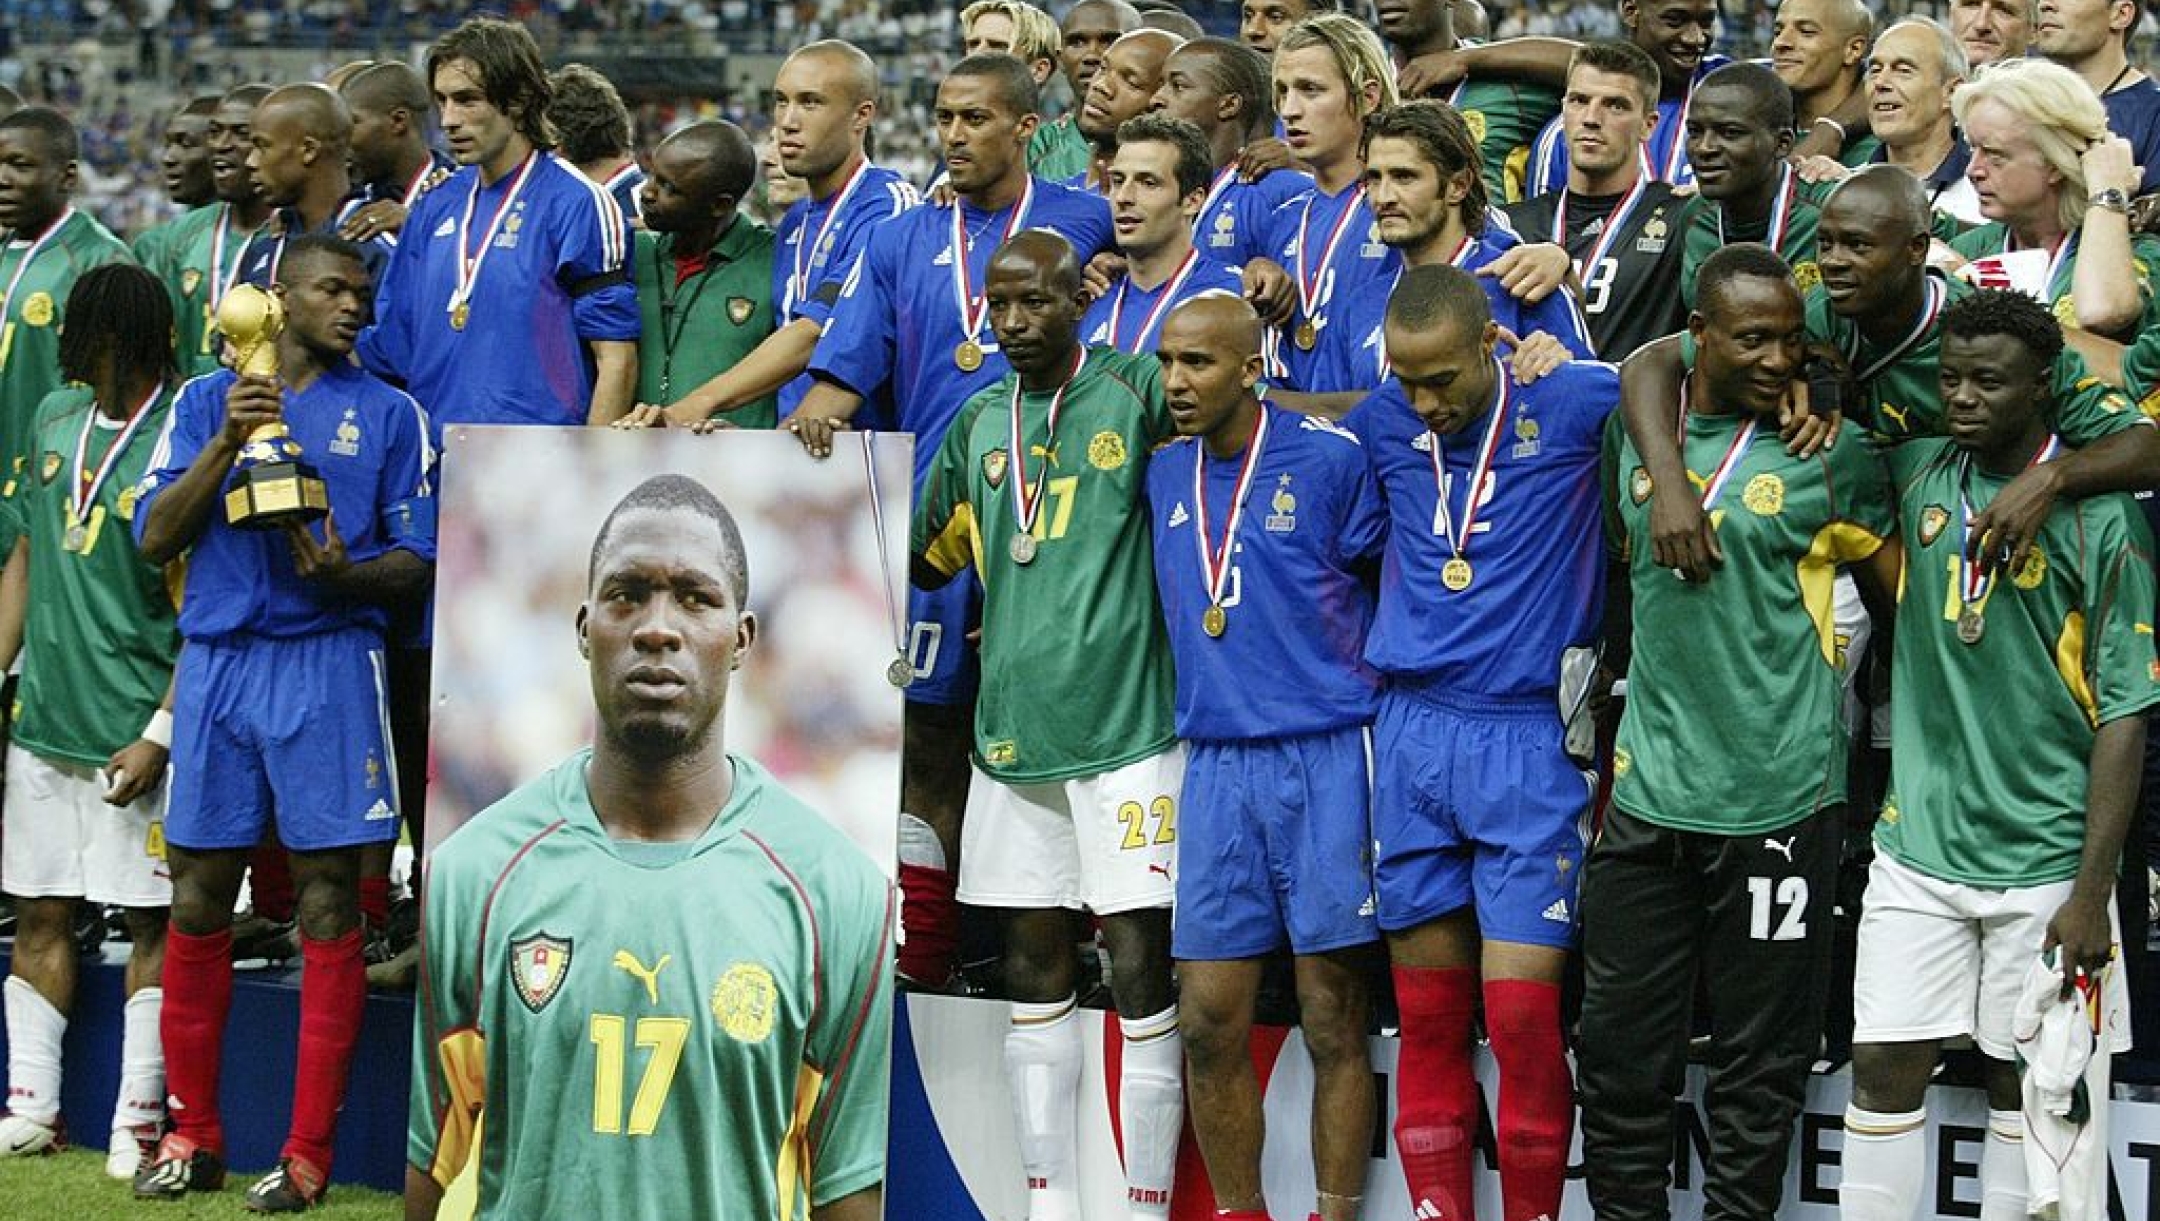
[{"x": 1421, "y": 495}]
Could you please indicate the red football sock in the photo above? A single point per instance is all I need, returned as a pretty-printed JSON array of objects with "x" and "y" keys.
[
  {"x": 1537, "y": 1097},
  {"x": 333, "y": 990},
  {"x": 1436, "y": 1092},
  {"x": 198, "y": 994},
  {"x": 375, "y": 901},
  {"x": 931, "y": 917},
  {"x": 270, "y": 884}
]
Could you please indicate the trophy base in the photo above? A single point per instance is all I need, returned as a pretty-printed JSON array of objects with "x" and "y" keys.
[{"x": 270, "y": 495}]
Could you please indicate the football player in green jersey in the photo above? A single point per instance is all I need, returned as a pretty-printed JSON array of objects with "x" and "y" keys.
[
  {"x": 658, "y": 983},
  {"x": 1039, "y": 486},
  {"x": 1505, "y": 114},
  {"x": 2019, "y": 734},
  {"x": 93, "y": 626},
  {"x": 1819, "y": 49},
  {"x": 1739, "y": 134},
  {"x": 1717, "y": 853}
]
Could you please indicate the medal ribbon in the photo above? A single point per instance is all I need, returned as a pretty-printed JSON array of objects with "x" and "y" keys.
[
  {"x": 83, "y": 489},
  {"x": 1677, "y": 150},
  {"x": 221, "y": 280},
  {"x": 1308, "y": 282},
  {"x": 1936, "y": 294},
  {"x": 973, "y": 307},
  {"x": 1977, "y": 580},
  {"x": 7, "y": 300},
  {"x": 418, "y": 186},
  {"x": 1223, "y": 178},
  {"x": 877, "y": 527},
  {"x": 1027, "y": 503},
  {"x": 1781, "y": 210},
  {"x": 1214, "y": 565},
  {"x": 2065, "y": 251},
  {"x": 468, "y": 262},
  {"x": 1155, "y": 312},
  {"x": 798, "y": 284},
  {"x": 1458, "y": 541},
  {"x": 1615, "y": 221},
  {"x": 1714, "y": 490}
]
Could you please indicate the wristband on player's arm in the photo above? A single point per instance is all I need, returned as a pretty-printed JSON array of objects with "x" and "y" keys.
[{"x": 159, "y": 730}]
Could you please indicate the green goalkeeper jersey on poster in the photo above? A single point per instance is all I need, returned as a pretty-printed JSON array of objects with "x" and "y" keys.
[
  {"x": 1731, "y": 725},
  {"x": 1076, "y": 673},
  {"x": 36, "y": 277},
  {"x": 653, "y": 1030},
  {"x": 99, "y": 637},
  {"x": 1900, "y": 383},
  {"x": 1993, "y": 737}
]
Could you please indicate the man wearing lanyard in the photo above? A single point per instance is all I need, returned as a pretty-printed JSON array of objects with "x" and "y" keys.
[
  {"x": 390, "y": 152},
  {"x": 51, "y": 245},
  {"x": 1717, "y": 853},
  {"x": 1618, "y": 224},
  {"x": 1122, "y": 89},
  {"x": 199, "y": 259},
  {"x": 912, "y": 321},
  {"x": 2052, "y": 179},
  {"x": 1739, "y": 133},
  {"x": 1485, "y": 633},
  {"x": 1505, "y": 114},
  {"x": 298, "y": 139},
  {"x": 1039, "y": 486},
  {"x": 1158, "y": 180},
  {"x": 1222, "y": 88},
  {"x": 93, "y": 628},
  {"x": 1323, "y": 251},
  {"x": 703, "y": 268},
  {"x": 509, "y": 298},
  {"x": 279, "y": 707},
  {"x": 1268, "y": 523},
  {"x": 824, "y": 102},
  {"x": 2016, "y": 768}
]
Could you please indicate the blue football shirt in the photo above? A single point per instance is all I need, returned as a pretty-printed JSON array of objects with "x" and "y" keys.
[
  {"x": 1138, "y": 313},
  {"x": 807, "y": 282},
  {"x": 1234, "y": 218},
  {"x": 1667, "y": 149},
  {"x": 1330, "y": 279}
]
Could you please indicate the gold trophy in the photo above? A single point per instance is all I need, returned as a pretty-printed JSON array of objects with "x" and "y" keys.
[{"x": 271, "y": 484}]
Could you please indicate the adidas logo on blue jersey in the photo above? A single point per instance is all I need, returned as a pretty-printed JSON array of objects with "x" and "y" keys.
[
  {"x": 1422, "y": 443},
  {"x": 944, "y": 258},
  {"x": 1178, "y": 516},
  {"x": 1556, "y": 912},
  {"x": 447, "y": 227},
  {"x": 380, "y": 811}
]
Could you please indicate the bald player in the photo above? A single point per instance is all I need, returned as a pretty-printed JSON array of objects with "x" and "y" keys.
[
  {"x": 10, "y": 101},
  {"x": 1078, "y": 765},
  {"x": 389, "y": 151},
  {"x": 298, "y": 141},
  {"x": 1222, "y": 88},
  {"x": 1819, "y": 49},
  {"x": 1170, "y": 19},
  {"x": 1268, "y": 524},
  {"x": 1124, "y": 88},
  {"x": 825, "y": 101}
]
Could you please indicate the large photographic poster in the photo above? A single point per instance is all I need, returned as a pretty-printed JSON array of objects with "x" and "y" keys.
[{"x": 520, "y": 508}]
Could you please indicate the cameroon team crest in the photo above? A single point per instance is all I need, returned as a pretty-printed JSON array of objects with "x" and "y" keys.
[
  {"x": 38, "y": 310},
  {"x": 1475, "y": 121},
  {"x": 994, "y": 468},
  {"x": 1764, "y": 495},
  {"x": 538, "y": 965},
  {"x": 1639, "y": 485},
  {"x": 1932, "y": 520},
  {"x": 739, "y": 309},
  {"x": 1106, "y": 451},
  {"x": 190, "y": 280},
  {"x": 745, "y": 1002}
]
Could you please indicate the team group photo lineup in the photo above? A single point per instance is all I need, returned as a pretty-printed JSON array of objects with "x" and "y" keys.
[{"x": 1128, "y": 610}]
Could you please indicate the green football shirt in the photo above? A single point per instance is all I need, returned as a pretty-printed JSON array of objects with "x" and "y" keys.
[
  {"x": 1505, "y": 117},
  {"x": 1707, "y": 233},
  {"x": 1058, "y": 151},
  {"x": 1731, "y": 725},
  {"x": 1076, "y": 673},
  {"x": 653, "y": 1030},
  {"x": 1901, "y": 384},
  {"x": 193, "y": 256},
  {"x": 1993, "y": 238},
  {"x": 99, "y": 638},
  {"x": 697, "y": 326},
  {"x": 1992, "y": 740},
  {"x": 34, "y": 308}
]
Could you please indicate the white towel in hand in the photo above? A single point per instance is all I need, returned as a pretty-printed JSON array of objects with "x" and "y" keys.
[{"x": 2065, "y": 1085}]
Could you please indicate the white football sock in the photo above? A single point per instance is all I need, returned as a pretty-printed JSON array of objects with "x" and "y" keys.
[
  {"x": 1042, "y": 1068},
  {"x": 2002, "y": 1167},
  {"x": 34, "y": 1030},
  {"x": 1151, "y": 1110},
  {"x": 1884, "y": 1162},
  {"x": 142, "y": 1063}
]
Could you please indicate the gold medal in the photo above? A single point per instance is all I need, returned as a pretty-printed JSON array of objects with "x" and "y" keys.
[
  {"x": 900, "y": 673},
  {"x": 77, "y": 537},
  {"x": 1215, "y": 621},
  {"x": 1455, "y": 574},
  {"x": 459, "y": 315},
  {"x": 1023, "y": 548},
  {"x": 969, "y": 356},
  {"x": 1306, "y": 336},
  {"x": 1970, "y": 626}
]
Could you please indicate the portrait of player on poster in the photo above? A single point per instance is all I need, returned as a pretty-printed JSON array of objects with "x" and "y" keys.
[{"x": 658, "y": 909}]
